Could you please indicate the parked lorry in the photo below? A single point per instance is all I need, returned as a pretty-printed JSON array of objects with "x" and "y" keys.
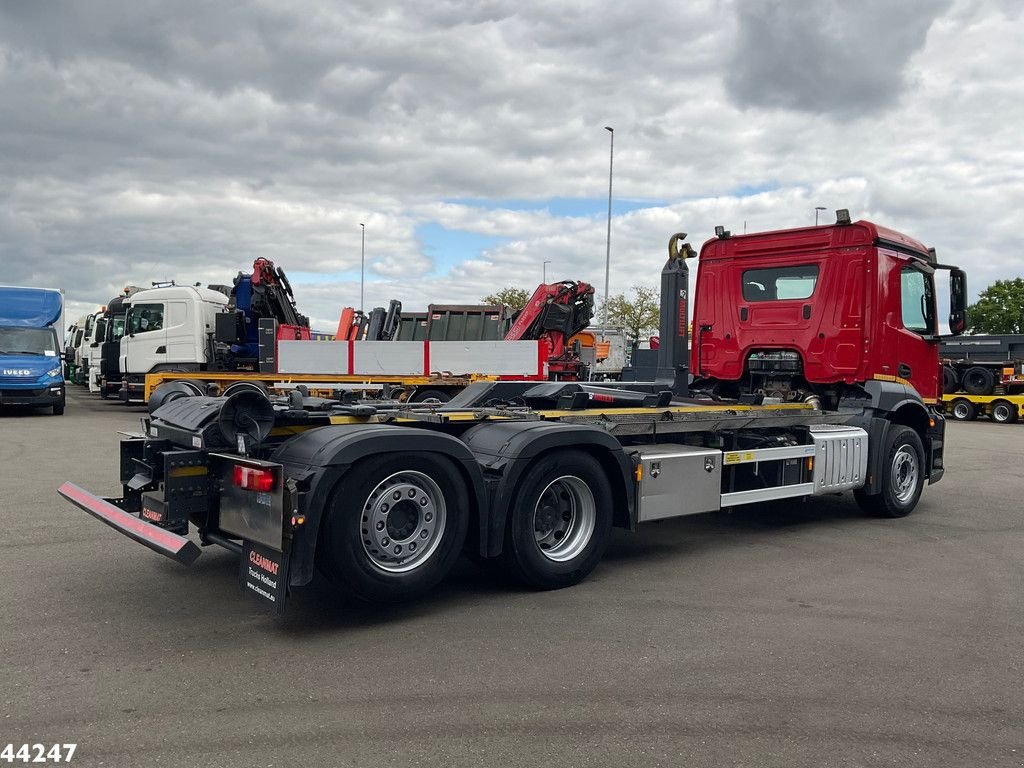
[
  {"x": 31, "y": 361},
  {"x": 72, "y": 340},
  {"x": 983, "y": 365},
  {"x": 818, "y": 372},
  {"x": 110, "y": 345},
  {"x": 184, "y": 328},
  {"x": 984, "y": 376},
  {"x": 435, "y": 368}
]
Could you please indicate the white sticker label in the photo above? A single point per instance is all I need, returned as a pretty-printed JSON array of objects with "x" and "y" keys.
[
  {"x": 49, "y": 353},
  {"x": 197, "y": 441}
]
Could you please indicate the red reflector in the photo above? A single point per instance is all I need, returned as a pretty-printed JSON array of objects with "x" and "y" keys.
[
  {"x": 253, "y": 479},
  {"x": 603, "y": 398}
]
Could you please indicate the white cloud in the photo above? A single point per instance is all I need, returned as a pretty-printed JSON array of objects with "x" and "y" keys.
[{"x": 146, "y": 140}]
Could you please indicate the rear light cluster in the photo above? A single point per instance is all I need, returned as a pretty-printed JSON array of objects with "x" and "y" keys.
[{"x": 253, "y": 478}]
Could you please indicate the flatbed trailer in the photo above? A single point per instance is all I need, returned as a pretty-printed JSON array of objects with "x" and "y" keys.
[
  {"x": 531, "y": 477},
  {"x": 1002, "y": 409}
]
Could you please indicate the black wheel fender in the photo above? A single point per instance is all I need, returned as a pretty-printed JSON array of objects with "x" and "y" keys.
[{"x": 318, "y": 459}]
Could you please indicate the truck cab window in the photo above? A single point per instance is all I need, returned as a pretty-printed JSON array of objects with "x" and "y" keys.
[
  {"x": 780, "y": 283},
  {"x": 146, "y": 317},
  {"x": 917, "y": 301}
]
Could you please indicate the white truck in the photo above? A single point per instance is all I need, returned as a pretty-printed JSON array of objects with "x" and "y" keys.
[
  {"x": 167, "y": 329},
  {"x": 82, "y": 347}
]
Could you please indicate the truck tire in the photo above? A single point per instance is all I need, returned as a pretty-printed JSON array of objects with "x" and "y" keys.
[
  {"x": 962, "y": 409},
  {"x": 245, "y": 386},
  {"x": 171, "y": 390},
  {"x": 950, "y": 380},
  {"x": 394, "y": 526},
  {"x": 560, "y": 521},
  {"x": 1003, "y": 412},
  {"x": 903, "y": 478},
  {"x": 422, "y": 395},
  {"x": 979, "y": 381}
]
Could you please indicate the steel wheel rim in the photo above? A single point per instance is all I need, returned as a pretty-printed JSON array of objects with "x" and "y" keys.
[
  {"x": 904, "y": 474},
  {"x": 960, "y": 411},
  {"x": 1001, "y": 413},
  {"x": 564, "y": 518},
  {"x": 403, "y": 521}
]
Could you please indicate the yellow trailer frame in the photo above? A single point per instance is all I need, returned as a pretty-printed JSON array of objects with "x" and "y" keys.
[
  {"x": 317, "y": 383},
  {"x": 1002, "y": 409}
]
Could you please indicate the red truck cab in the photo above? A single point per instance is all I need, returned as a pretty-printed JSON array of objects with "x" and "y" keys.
[{"x": 801, "y": 312}]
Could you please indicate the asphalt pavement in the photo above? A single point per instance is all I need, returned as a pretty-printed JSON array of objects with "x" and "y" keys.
[{"x": 802, "y": 634}]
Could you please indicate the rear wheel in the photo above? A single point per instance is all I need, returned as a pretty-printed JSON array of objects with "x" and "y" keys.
[
  {"x": 560, "y": 522},
  {"x": 246, "y": 386},
  {"x": 979, "y": 381},
  {"x": 425, "y": 395},
  {"x": 1004, "y": 412},
  {"x": 394, "y": 526},
  {"x": 950, "y": 380},
  {"x": 963, "y": 410},
  {"x": 903, "y": 471}
]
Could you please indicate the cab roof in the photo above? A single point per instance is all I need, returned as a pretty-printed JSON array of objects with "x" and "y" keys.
[
  {"x": 858, "y": 233},
  {"x": 177, "y": 292}
]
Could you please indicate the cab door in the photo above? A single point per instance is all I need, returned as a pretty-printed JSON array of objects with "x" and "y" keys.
[
  {"x": 144, "y": 345},
  {"x": 917, "y": 360}
]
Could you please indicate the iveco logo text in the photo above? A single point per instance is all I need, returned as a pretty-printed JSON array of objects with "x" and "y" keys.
[{"x": 17, "y": 372}]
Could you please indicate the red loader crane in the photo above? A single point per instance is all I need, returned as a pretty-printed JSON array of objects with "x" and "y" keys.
[{"x": 553, "y": 314}]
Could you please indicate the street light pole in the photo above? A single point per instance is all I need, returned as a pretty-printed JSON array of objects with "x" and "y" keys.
[
  {"x": 545, "y": 268},
  {"x": 608, "y": 239},
  {"x": 816, "y": 209},
  {"x": 362, "y": 267}
]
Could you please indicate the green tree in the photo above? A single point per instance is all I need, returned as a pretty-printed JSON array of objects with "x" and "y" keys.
[
  {"x": 638, "y": 315},
  {"x": 999, "y": 309},
  {"x": 514, "y": 297}
]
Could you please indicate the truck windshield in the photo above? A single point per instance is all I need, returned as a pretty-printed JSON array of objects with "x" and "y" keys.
[
  {"x": 780, "y": 283},
  {"x": 28, "y": 341}
]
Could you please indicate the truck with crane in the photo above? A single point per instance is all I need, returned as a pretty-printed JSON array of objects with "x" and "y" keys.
[
  {"x": 187, "y": 329},
  {"x": 817, "y": 372},
  {"x": 367, "y": 356}
]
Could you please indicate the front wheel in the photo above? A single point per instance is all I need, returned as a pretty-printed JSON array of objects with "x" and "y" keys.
[
  {"x": 903, "y": 472},
  {"x": 394, "y": 526},
  {"x": 560, "y": 522}
]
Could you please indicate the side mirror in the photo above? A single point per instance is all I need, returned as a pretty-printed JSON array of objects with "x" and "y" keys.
[{"x": 957, "y": 301}]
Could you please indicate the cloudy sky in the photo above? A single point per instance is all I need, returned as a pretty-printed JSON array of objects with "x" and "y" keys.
[{"x": 146, "y": 140}]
